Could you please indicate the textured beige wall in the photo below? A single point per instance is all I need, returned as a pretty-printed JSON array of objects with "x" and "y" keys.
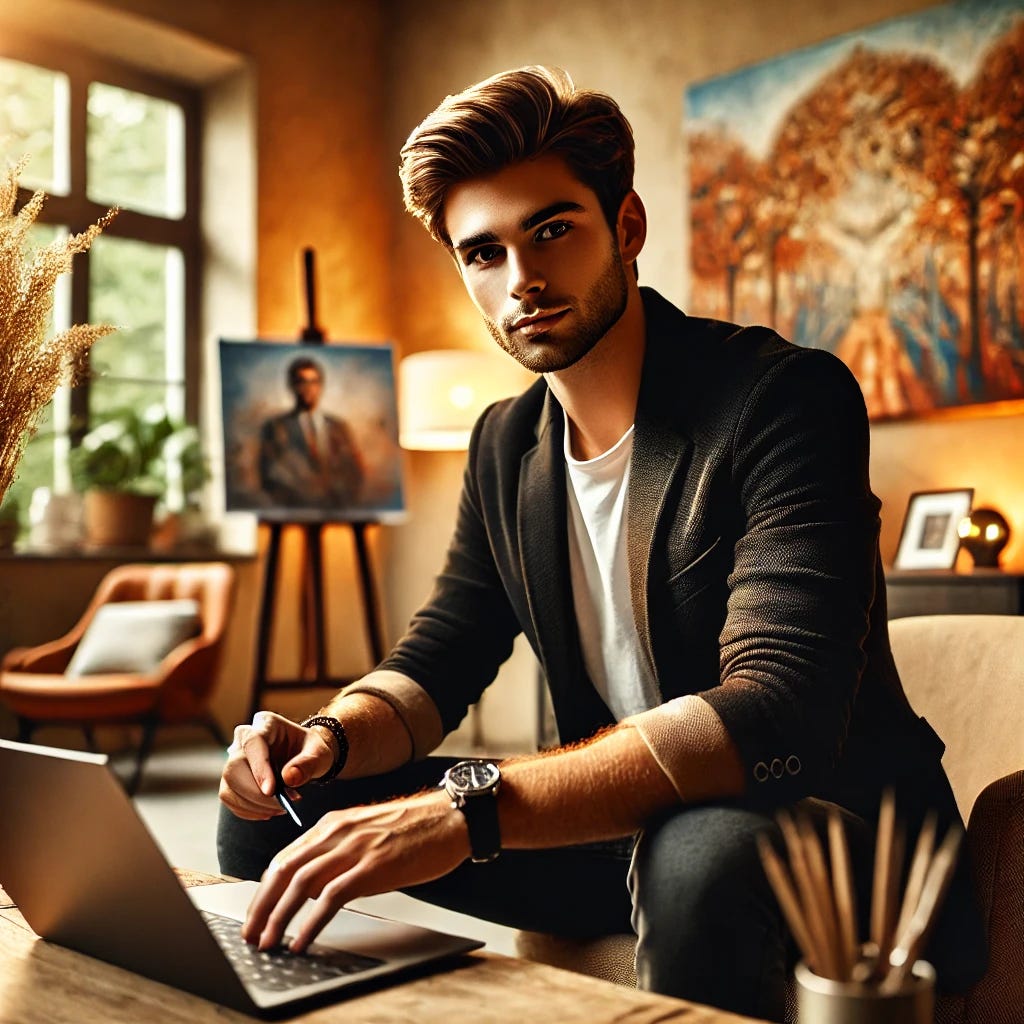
[{"x": 320, "y": 151}]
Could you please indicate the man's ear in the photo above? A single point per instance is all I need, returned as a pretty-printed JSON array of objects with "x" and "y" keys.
[{"x": 631, "y": 227}]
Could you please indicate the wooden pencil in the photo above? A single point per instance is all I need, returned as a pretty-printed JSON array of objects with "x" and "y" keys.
[
  {"x": 918, "y": 871},
  {"x": 911, "y": 943},
  {"x": 823, "y": 894},
  {"x": 782, "y": 886},
  {"x": 816, "y": 926},
  {"x": 883, "y": 887},
  {"x": 843, "y": 890},
  {"x": 892, "y": 900}
]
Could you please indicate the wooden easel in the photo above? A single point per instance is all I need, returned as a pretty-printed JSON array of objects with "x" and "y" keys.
[
  {"x": 314, "y": 668},
  {"x": 314, "y": 577}
]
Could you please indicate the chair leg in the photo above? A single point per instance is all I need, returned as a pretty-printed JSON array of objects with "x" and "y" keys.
[
  {"x": 145, "y": 749},
  {"x": 25, "y": 729},
  {"x": 90, "y": 738},
  {"x": 215, "y": 731}
]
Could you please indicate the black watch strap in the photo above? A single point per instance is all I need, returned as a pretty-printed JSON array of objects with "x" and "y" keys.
[
  {"x": 473, "y": 788},
  {"x": 481, "y": 814}
]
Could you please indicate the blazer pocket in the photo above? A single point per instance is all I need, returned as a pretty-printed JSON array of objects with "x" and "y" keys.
[
  {"x": 697, "y": 576},
  {"x": 695, "y": 563}
]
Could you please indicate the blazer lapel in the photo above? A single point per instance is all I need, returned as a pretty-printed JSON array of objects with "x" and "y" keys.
[
  {"x": 661, "y": 452},
  {"x": 658, "y": 457},
  {"x": 542, "y": 525}
]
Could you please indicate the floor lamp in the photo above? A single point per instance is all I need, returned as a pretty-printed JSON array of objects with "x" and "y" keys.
[{"x": 441, "y": 393}]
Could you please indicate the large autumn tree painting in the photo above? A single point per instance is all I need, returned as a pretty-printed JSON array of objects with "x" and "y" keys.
[{"x": 867, "y": 197}]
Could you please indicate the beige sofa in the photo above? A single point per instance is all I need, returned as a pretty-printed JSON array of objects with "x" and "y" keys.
[{"x": 965, "y": 674}]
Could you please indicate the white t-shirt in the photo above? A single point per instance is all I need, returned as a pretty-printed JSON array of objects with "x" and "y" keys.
[{"x": 599, "y": 568}]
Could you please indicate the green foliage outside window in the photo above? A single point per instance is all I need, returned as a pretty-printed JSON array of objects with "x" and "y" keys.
[{"x": 134, "y": 158}]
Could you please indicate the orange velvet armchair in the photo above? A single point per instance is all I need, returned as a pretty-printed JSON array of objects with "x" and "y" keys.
[{"x": 53, "y": 683}]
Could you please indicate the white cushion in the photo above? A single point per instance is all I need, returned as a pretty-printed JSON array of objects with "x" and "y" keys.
[{"x": 133, "y": 636}]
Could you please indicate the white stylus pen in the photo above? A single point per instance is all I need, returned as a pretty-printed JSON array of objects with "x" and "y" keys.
[{"x": 281, "y": 794}]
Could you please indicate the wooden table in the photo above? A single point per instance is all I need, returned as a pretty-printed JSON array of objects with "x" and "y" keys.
[{"x": 41, "y": 983}]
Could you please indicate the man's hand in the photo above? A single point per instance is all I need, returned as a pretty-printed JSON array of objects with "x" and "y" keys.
[
  {"x": 356, "y": 852},
  {"x": 247, "y": 783}
]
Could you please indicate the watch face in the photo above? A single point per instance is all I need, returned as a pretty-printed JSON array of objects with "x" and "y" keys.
[{"x": 473, "y": 776}]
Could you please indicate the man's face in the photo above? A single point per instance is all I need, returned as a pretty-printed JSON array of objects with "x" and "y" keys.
[
  {"x": 307, "y": 387},
  {"x": 539, "y": 261}
]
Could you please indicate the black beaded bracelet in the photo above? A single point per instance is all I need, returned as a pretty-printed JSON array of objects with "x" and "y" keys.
[{"x": 337, "y": 730}]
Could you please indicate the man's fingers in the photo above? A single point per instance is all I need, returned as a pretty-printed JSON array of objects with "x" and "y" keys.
[
  {"x": 250, "y": 752},
  {"x": 312, "y": 761},
  {"x": 308, "y": 882},
  {"x": 353, "y": 853},
  {"x": 334, "y": 895},
  {"x": 250, "y": 808},
  {"x": 247, "y": 782},
  {"x": 255, "y": 742},
  {"x": 275, "y": 882}
]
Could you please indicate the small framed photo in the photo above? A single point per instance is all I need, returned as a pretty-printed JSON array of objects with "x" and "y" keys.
[{"x": 929, "y": 539}]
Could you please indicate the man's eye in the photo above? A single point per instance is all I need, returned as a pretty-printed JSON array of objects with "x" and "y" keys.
[
  {"x": 555, "y": 229},
  {"x": 484, "y": 255}
]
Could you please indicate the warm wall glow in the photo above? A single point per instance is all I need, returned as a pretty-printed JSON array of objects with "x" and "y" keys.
[{"x": 441, "y": 394}]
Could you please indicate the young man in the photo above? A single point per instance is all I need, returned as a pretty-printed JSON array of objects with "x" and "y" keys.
[{"x": 677, "y": 514}]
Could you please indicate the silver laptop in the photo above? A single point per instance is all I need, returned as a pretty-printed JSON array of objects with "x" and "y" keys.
[{"x": 85, "y": 873}]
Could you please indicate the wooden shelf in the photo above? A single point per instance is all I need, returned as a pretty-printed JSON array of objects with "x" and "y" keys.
[{"x": 982, "y": 592}]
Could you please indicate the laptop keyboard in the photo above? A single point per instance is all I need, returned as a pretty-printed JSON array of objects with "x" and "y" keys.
[{"x": 279, "y": 969}]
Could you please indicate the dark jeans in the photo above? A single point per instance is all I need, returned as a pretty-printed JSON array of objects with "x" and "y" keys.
[{"x": 691, "y": 886}]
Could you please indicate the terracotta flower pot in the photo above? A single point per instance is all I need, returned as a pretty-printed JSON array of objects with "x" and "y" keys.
[{"x": 114, "y": 519}]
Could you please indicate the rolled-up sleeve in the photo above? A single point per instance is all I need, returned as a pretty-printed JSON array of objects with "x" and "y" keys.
[
  {"x": 413, "y": 705},
  {"x": 692, "y": 747}
]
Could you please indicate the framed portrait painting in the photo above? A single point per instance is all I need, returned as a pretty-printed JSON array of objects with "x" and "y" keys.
[
  {"x": 930, "y": 537},
  {"x": 310, "y": 431}
]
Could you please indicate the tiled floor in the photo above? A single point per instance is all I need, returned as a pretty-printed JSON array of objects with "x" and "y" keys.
[{"x": 178, "y": 802}]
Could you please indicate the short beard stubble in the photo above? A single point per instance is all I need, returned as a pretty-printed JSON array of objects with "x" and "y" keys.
[{"x": 600, "y": 311}]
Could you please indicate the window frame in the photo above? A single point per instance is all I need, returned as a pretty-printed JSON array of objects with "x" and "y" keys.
[{"x": 76, "y": 211}]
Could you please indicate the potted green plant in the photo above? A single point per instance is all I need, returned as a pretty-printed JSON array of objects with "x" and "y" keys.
[{"x": 129, "y": 462}]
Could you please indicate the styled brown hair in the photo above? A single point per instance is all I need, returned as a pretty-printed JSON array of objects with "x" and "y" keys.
[{"x": 514, "y": 116}]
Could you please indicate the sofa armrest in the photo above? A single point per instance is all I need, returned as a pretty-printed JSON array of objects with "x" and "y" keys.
[{"x": 995, "y": 836}]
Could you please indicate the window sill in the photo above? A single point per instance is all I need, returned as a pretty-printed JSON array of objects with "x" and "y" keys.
[{"x": 190, "y": 553}]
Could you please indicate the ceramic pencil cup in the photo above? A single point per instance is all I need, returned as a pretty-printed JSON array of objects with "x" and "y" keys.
[{"x": 824, "y": 1001}]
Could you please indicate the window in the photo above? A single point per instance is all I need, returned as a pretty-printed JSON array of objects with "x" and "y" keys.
[{"x": 99, "y": 134}]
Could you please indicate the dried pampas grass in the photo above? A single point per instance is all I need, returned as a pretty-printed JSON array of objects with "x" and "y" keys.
[{"x": 32, "y": 365}]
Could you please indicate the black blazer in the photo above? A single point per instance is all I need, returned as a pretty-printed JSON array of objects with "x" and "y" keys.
[{"x": 753, "y": 554}]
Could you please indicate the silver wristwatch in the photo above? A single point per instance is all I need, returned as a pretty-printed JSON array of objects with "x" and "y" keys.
[{"x": 473, "y": 787}]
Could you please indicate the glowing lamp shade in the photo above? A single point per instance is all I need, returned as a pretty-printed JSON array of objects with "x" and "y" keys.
[
  {"x": 984, "y": 533},
  {"x": 442, "y": 392}
]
